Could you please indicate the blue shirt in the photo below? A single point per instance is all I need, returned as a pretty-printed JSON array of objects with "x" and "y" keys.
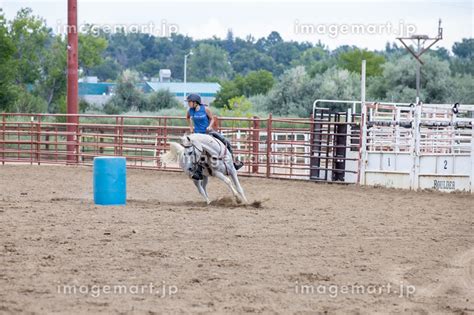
[{"x": 200, "y": 119}]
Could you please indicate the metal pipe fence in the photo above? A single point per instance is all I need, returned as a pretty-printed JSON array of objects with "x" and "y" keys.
[{"x": 270, "y": 147}]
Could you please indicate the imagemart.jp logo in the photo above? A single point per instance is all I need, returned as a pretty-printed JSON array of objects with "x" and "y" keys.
[
  {"x": 334, "y": 30},
  {"x": 161, "y": 290},
  {"x": 334, "y": 290}
]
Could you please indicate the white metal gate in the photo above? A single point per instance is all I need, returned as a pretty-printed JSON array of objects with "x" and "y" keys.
[{"x": 428, "y": 146}]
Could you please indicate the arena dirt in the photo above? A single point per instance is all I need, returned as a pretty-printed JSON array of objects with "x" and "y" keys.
[{"x": 300, "y": 247}]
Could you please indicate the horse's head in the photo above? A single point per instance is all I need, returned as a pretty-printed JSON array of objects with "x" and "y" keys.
[{"x": 189, "y": 153}]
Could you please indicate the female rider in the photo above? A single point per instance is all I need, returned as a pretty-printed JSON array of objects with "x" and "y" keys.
[{"x": 201, "y": 120}]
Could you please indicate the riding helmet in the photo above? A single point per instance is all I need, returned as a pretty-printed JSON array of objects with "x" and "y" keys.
[{"x": 194, "y": 98}]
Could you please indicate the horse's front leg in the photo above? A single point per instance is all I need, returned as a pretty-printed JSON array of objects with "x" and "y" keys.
[{"x": 198, "y": 184}]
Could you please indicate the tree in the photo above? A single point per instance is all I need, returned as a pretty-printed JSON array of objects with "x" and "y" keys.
[
  {"x": 108, "y": 70},
  {"x": 227, "y": 91},
  {"x": 292, "y": 95},
  {"x": 311, "y": 55},
  {"x": 247, "y": 60},
  {"x": 238, "y": 106},
  {"x": 52, "y": 86},
  {"x": 160, "y": 100},
  {"x": 464, "y": 63},
  {"x": 399, "y": 81},
  {"x": 150, "y": 68},
  {"x": 284, "y": 52},
  {"x": 26, "y": 102},
  {"x": 296, "y": 91},
  {"x": 127, "y": 97},
  {"x": 229, "y": 42},
  {"x": 7, "y": 70},
  {"x": 464, "y": 49},
  {"x": 255, "y": 82},
  {"x": 337, "y": 84},
  {"x": 264, "y": 44},
  {"x": 125, "y": 48},
  {"x": 463, "y": 89},
  {"x": 352, "y": 61},
  {"x": 315, "y": 60},
  {"x": 209, "y": 61},
  {"x": 91, "y": 48},
  {"x": 442, "y": 53},
  {"x": 29, "y": 35}
]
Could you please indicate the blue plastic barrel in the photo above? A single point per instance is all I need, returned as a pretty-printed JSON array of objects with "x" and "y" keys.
[{"x": 110, "y": 180}]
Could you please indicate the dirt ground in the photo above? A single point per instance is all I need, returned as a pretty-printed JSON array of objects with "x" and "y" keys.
[{"x": 300, "y": 248}]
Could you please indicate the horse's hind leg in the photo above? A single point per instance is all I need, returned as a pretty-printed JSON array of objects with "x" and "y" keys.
[
  {"x": 204, "y": 185},
  {"x": 202, "y": 191},
  {"x": 235, "y": 179},
  {"x": 227, "y": 181}
]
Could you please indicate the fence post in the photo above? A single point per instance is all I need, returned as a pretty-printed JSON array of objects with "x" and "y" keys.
[
  {"x": 32, "y": 126},
  {"x": 255, "y": 144},
  {"x": 165, "y": 135},
  {"x": 38, "y": 140},
  {"x": 363, "y": 129},
  {"x": 78, "y": 140},
  {"x": 116, "y": 135},
  {"x": 472, "y": 160},
  {"x": 121, "y": 130},
  {"x": 4, "y": 127},
  {"x": 158, "y": 144},
  {"x": 415, "y": 171},
  {"x": 217, "y": 123},
  {"x": 269, "y": 143},
  {"x": 312, "y": 161}
]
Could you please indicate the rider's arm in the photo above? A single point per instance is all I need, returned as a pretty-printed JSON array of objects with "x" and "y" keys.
[
  {"x": 211, "y": 117},
  {"x": 190, "y": 122}
]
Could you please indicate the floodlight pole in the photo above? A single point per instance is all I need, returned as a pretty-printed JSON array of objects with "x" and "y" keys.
[
  {"x": 72, "y": 80},
  {"x": 185, "y": 75}
]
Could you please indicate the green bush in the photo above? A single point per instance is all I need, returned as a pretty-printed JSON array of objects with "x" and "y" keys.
[
  {"x": 28, "y": 103},
  {"x": 161, "y": 99}
]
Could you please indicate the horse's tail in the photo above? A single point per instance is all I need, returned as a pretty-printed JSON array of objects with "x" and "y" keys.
[{"x": 173, "y": 154}]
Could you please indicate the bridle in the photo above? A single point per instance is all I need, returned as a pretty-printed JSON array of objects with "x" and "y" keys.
[{"x": 194, "y": 151}]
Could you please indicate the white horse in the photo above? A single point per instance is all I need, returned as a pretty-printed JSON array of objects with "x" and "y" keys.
[{"x": 211, "y": 153}]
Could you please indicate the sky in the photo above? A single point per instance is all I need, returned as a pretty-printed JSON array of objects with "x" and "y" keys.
[{"x": 366, "y": 24}]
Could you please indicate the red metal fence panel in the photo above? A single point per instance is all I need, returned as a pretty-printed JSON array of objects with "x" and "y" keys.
[{"x": 269, "y": 147}]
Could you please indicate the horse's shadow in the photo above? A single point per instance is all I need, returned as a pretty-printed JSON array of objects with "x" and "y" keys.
[{"x": 225, "y": 202}]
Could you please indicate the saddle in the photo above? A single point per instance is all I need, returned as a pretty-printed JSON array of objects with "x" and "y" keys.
[
  {"x": 223, "y": 140},
  {"x": 237, "y": 164}
]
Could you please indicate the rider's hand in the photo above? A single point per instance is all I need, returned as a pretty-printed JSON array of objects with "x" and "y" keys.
[{"x": 208, "y": 129}]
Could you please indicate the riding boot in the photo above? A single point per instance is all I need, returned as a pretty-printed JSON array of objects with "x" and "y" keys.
[
  {"x": 197, "y": 174},
  {"x": 238, "y": 164}
]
